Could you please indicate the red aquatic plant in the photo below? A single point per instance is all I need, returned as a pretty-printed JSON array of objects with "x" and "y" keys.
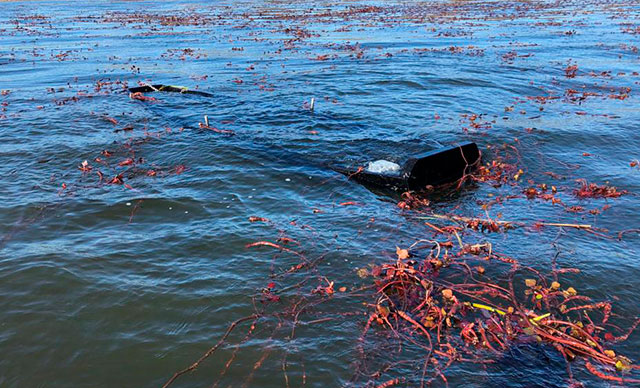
[
  {"x": 592, "y": 190},
  {"x": 141, "y": 97},
  {"x": 570, "y": 71}
]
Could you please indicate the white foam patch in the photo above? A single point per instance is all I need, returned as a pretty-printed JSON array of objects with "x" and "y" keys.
[{"x": 383, "y": 167}]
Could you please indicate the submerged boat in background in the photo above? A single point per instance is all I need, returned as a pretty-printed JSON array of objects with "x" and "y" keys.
[{"x": 168, "y": 88}]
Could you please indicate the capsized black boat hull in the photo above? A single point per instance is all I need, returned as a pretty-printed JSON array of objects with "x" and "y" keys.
[{"x": 430, "y": 169}]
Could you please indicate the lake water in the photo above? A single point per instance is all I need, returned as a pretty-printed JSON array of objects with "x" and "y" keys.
[{"x": 121, "y": 285}]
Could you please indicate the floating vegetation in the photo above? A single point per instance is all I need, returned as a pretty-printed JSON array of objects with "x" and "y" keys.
[
  {"x": 473, "y": 286},
  {"x": 445, "y": 301}
]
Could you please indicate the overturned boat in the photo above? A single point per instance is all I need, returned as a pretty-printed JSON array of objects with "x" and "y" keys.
[
  {"x": 420, "y": 172},
  {"x": 168, "y": 88}
]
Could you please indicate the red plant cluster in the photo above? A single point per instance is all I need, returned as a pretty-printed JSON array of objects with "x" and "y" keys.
[
  {"x": 592, "y": 190},
  {"x": 457, "y": 313}
]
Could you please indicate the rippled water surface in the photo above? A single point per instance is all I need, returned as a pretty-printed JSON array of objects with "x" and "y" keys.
[{"x": 121, "y": 285}]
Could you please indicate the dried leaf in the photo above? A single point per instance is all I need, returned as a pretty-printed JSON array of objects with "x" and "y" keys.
[
  {"x": 402, "y": 253},
  {"x": 382, "y": 310},
  {"x": 622, "y": 365}
]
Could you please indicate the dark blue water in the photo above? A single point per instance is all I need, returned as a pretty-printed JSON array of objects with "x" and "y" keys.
[{"x": 106, "y": 285}]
